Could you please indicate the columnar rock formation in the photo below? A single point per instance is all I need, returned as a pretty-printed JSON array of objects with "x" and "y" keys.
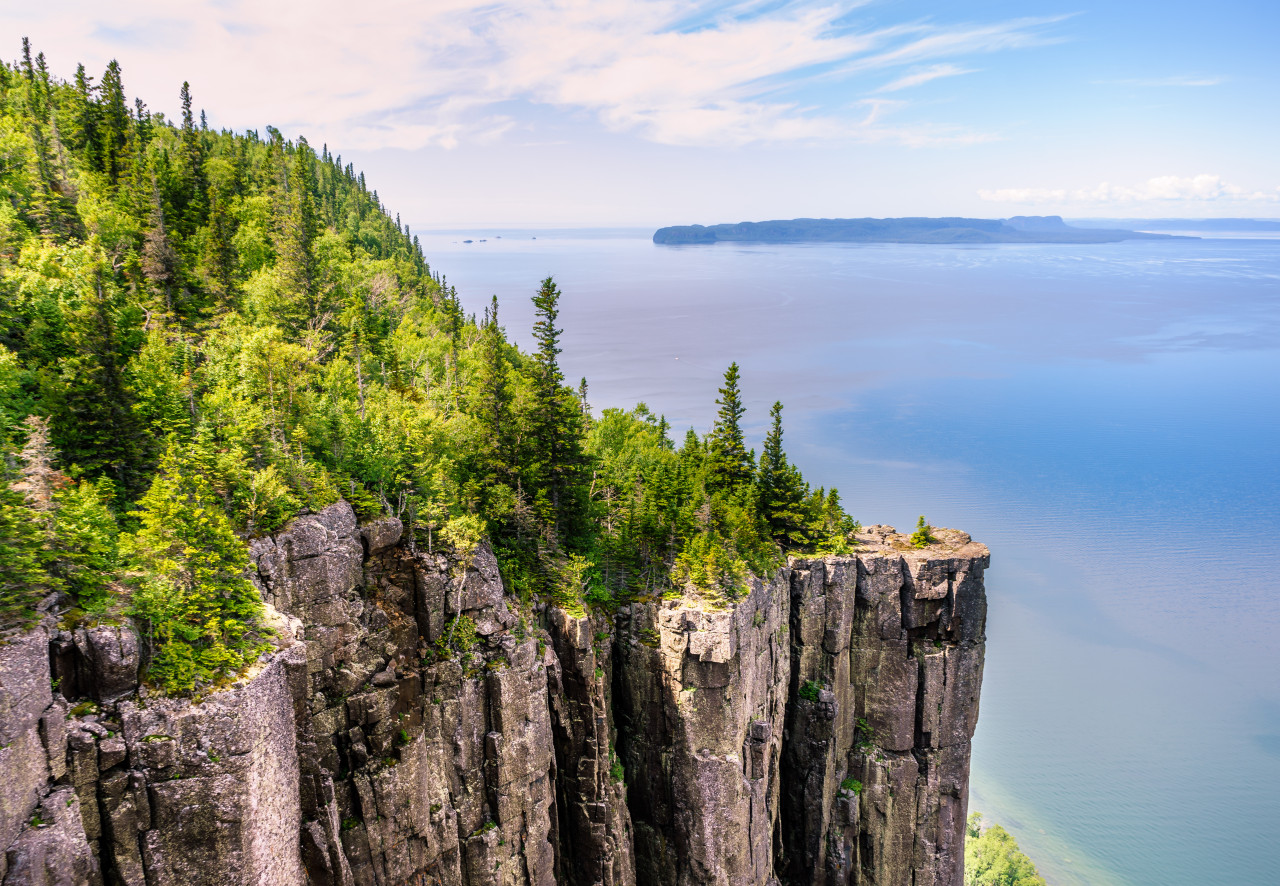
[{"x": 815, "y": 731}]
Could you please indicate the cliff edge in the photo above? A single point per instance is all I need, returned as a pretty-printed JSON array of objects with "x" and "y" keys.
[{"x": 417, "y": 724}]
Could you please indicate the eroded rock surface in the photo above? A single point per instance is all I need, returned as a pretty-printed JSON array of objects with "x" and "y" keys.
[
  {"x": 417, "y": 725},
  {"x": 887, "y": 658}
]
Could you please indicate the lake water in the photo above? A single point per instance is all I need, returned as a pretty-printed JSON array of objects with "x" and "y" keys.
[{"x": 1106, "y": 418}]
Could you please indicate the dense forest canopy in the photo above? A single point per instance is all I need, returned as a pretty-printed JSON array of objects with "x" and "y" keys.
[{"x": 203, "y": 334}]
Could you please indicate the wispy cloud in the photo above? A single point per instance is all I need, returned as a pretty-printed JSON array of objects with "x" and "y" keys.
[
  {"x": 407, "y": 74},
  {"x": 1162, "y": 189},
  {"x": 924, "y": 75}
]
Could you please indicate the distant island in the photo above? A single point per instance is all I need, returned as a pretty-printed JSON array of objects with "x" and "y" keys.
[{"x": 1020, "y": 229}]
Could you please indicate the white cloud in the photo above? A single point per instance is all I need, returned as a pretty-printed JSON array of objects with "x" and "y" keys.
[
  {"x": 407, "y": 74},
  {"x": 924, "y": 75},
  {"x": 1162, "y": 189}
]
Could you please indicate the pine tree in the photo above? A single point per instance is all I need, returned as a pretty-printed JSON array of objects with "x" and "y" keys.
[
  {"x": 115, "y": 123},
  {"x": 555, "y": 421},
  {"x": 82, "y": 116},
  {"x": 493, "y": 399},
  {"x": 730, "y": 463},
  {"x": 190, "y": 204},
  {"x": 782, "y": 491},
  {"x": 296, "y": 261}
]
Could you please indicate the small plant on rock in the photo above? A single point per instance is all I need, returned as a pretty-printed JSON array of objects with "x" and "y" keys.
[{"x": 923, "y": 536}]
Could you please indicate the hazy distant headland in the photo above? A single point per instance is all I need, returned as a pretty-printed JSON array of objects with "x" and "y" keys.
[{"x": 1020, "y": 229}]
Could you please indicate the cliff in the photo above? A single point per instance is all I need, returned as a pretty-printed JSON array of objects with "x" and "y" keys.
[{"x": 417, "y": 724}]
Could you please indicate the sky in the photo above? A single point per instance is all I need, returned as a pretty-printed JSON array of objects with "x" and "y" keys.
[{"x": 653, "y": 112}]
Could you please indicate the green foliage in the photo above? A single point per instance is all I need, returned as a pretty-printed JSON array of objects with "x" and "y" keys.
[
  {"x": 923, "y": 536},
  {"x": 232, "y": 326},
  {"x": 463, "y": 534},
  {"x": 23, "y": 578},
  {"x": 460, "y": 635},
  {"x": 730, "y": 465},
  {"x": 865, "y": 736},
  {"x": 992, "y": 857},
  {"x": 810, "y": 689},
  {"x": 852, "y": 785},
  {"x": 573, "y": 581},
  {"x": 202, "y": 615},
  {"x": 86, "y": 538}
]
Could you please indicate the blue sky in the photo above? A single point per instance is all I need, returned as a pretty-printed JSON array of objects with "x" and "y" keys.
[{"x": 617, "y": 112}]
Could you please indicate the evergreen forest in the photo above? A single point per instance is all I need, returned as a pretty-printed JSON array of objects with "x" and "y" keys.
[{"x": 205, "y": 333}]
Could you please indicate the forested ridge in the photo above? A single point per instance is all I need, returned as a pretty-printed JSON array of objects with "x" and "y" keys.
[{"x": 205, "y": 333}]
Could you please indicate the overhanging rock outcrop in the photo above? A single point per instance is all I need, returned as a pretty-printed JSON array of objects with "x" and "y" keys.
[{"x": 417, "y": 724}]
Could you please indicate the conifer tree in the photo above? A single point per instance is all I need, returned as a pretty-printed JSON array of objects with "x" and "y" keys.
[
  {"x": 494, "y": 398},
  {"x": 219, "y": 250},
  {"x": 190, "y": 205},
  {"x": 38, "y": 480},
  {"x": 86, "y": 538},
  {"x": 782, "y": 491},
  {"x": 115, "y": 123},
  {"x": 555, "y": 420},
  {"x": 203, "y": 616},
  {"x": 730, "y": 463},
  {"x": 23, "y": 578},
  {"x": 82, "y": 116},
  {"x": 159, "y": 258},
  {"x": 296, "y": 261},
  {"x": 94, "y": 425}
]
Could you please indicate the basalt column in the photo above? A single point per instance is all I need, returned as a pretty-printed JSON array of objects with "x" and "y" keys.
[{"x": 887, "y": 651}]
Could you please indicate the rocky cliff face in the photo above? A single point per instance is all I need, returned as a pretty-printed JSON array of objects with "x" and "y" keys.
[{"x": 419, "y": 725}]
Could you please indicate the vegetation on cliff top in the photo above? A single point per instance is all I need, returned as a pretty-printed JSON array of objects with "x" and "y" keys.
[{"x": 205, "y": 333}]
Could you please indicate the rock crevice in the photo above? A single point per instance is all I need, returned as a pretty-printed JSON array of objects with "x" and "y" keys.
[{"x": 417, "y": 724}]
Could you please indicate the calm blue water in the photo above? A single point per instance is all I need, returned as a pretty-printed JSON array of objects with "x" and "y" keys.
[{"x": 1106, "y": 418}]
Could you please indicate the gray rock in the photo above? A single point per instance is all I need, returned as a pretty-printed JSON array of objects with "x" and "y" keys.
[
  {"x": 681, "y": 742},
  {"x": 109, "y": 660},
  {"x": 380, "y": 535},
  {"x": 52, "y": 849},
  {"x": 24, "y": 697}
]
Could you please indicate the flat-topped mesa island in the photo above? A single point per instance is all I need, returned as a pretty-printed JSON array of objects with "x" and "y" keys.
[
  {"x": 1020, "y": 229},
  {"x": 814, "y": 730}
]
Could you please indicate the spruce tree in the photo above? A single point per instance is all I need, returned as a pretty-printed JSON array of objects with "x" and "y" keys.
[
  {"x": 219, "y": 250},
  {"x": 82, "y": 115},
  {"x": 23, "y": 578},
  {"x": 190, "y": 203},
  {"x": 729, "y": 462},
  {"x": 115, "y": 123},
  {"x": 94, "y": 425},
  {"x": 296, "y": 260},
  {"x": 493, "y": 398},
  {"x": 782, "y": 491},
  {"x": 202, "y": 614},
  {"x": 555, "y": 421},
  {"x": 159, "y": 258}
]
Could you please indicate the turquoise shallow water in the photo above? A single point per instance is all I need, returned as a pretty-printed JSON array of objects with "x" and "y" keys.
[{"x": 1106, "y": 418}]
